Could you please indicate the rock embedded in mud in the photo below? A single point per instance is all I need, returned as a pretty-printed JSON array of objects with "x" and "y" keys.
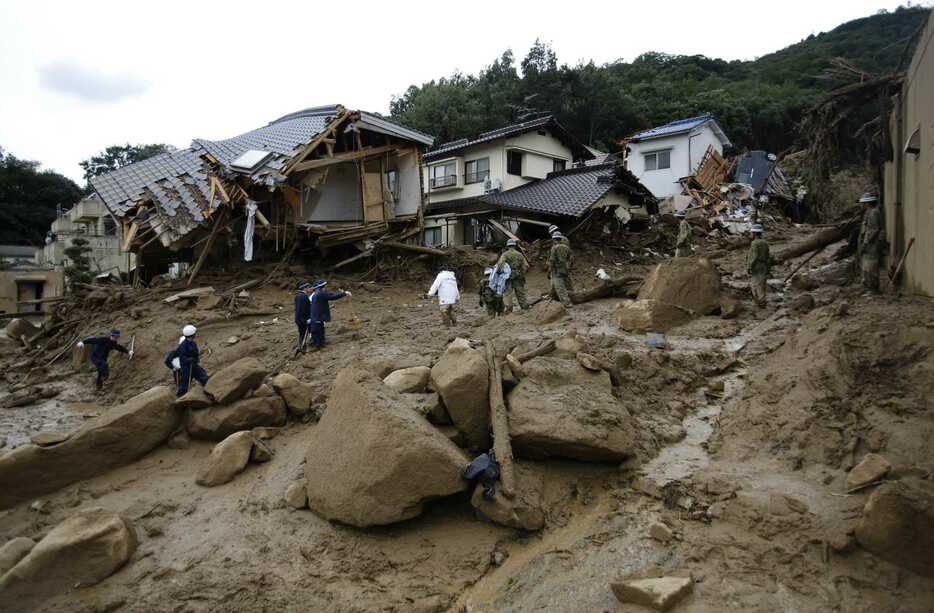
[
  {"x": 297, "y": 395},
  {"x": 660, "y": 532},
  {"x": 897, "y": 525},
  {"x": 372, "y": 460},
  {"x": 560, "y": 409},
  {"x": 263, "y": 391},
  {"x": 227, "y": 460},
  {"x": 462, "y": 378},
  {"x": 196, "y": 398},
  {"x": 802, "y": 304},
  {"x": 217, "y": 422},
  {"x": 295, "y": 495},
  {"x": 81, "y": 551},
  {"x": 550, "y": 313},
  {"x": 261, "y": 452},
  {"x": 872, "y": 468},
  {"x": 119, "y": 436},
  {"x": 429, "y": 406},
  {"x": 13, "y": 551},
  {"x": 234, "y": 381},
  {"x": 675, "y": 292},
  {"x": 412, "y": 380},
  {"x": 659, "y": 593},
  {"x": 17, "y": 328},
  {"x": 524, "y": 511},
  {"x": 729, "y": 307}
]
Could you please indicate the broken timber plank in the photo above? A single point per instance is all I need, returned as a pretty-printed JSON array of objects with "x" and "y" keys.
[
  {"x": 134, "y": 228},
  {"x": 189, "y": 293},
  {"x": 349, "y": 156},
  {"x": 359, "y": 256},
  {"x": 499, "y": 424},
  {"x": 207, "y": 247},
  {"x": 503, "y": 229},
  {"x": 542, "y": 350},
  {"x": 515, "y": 366},
  {"x": 415, "y": 248}
]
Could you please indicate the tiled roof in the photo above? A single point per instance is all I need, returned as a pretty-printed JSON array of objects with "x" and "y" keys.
[
  {"x": 548, "y": 121},
  {"x": 568, "y": 192},
  {"x": 680, "y": 126}
]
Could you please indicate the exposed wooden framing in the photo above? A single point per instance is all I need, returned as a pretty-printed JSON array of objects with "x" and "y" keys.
[
  {"x": 294, "y": 200},
  {"x": 262, "y": 218},
  {"x": 499, "y": 424},
  {"x": 329, "y": 130},
  {"x": 149, "y": 242},
  {"x": 216, "y": 184},
  {"x": 129, "y": 236},
  {"x": 348, "y": 156},
  {"x": 503, "y": 229},
  {"x": 206, "y": 249}
]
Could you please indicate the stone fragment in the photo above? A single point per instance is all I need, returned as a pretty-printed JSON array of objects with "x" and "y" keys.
[
  {"x": 297, "y": 395},
  {"x": 412, "y": 380},
  {"x": 872, "y": 468},
  {"x": 462, "y": 378},
  {"x": 295, "y": 495},
  {"x": 261, "y": 452},
  {"x": 676, "y": 291},
  {"x": 227, "y": 460},
  {"x": 897, "y": 525},
  {"x": 195, "y": 398},
  {"x": 218, "y": 422},
  {"x": 660, "y": 532},
  {"x": 234, "y": 381},
  {"x": 659, "y": 593},
  {"x": 524, "y": 511}
]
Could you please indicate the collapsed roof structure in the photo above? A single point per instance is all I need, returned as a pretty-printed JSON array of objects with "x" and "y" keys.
[{"x": 336, "y": 174}]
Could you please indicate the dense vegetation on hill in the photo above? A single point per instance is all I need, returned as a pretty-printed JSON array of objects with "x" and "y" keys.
[{"x": 759, "y": 103}]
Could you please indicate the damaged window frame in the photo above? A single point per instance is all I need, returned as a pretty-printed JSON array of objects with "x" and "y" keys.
[
  {"x": 473, "y": 173},
  {"x": 656, "y": 157}
]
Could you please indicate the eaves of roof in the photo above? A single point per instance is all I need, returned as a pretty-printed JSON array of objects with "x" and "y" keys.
[{"x": 568, "y": 193}]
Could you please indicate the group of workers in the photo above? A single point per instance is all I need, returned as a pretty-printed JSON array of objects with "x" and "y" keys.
[{"x": 312, "y": 311}]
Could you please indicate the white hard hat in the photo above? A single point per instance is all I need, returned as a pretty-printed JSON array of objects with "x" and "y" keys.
[
  {"x": 189, "y": 330},
  {"x": 511, "y": 242},
  {"x": 552, "y": 229}
]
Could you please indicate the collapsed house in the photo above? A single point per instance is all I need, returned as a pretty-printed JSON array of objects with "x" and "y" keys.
[{"x": 328, "y": 174}]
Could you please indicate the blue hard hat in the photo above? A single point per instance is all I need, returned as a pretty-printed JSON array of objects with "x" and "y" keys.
[
  {"x": 115, "y": 332},
  {"x": 320, "y": 283},
  {"x": 304, "y": 284},
  {"x": 868, "y": 197},
  {"x": 757, "y": 228}
]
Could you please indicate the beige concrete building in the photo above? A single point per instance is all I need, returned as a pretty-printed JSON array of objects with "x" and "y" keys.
[
  {"x": 90, "y": 220},
  {"x": 909, "y": 178},
  {"x": 23, "y": 284}
]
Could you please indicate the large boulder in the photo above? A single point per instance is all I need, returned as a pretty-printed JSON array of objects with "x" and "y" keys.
[
  {"x": 120, "y": 436},
  {"x": 218, "y": 422},
  {"x": 296, "y": 394},
  {"x": 227, "y": 459},
  {"x": 18, "y": 328},
  {"x": 524, "y": 511},
  {"x": 13, "y": 551},
  {"x": 234, "y": 381},
  {"x": 676, "y": 291},
  {"x": 462, "y": 378},
  {"x": 872, "y": 468},
  {"x": 81, "y": 551},
  {"x": 412, "y": 380},
  {"x": 898, "y": 525},
  {"x": 561, "y": 409},
  {"x": 196, "y": 398},
  {"x": 372, "y": 460}
]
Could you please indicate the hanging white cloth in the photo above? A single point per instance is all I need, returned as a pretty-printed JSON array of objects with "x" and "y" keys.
[{"x": 248, "y": 231}]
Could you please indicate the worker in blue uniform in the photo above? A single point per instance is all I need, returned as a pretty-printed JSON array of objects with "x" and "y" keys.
[
  {"x": 103, "y": 345},
  {"x": 183, "y": 361},
  {"x": 302, "y": 312},
  {"x": 321, "y": 311}
]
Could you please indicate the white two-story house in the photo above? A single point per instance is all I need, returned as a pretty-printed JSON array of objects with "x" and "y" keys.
[
  {"x": 459, "y": 173},
  {"x": 661, "y": 156}
]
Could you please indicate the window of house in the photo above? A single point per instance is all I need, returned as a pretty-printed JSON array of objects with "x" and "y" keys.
[
  {"x": 559, "y": 165},
  {"x": 392, "y": 182},
  {"x": 444, "y": 175},
  {"x": 433, "y": 236},
  {"x": 110, "y": 227},
  {"x": 514, "y": 163},
  {"x": 476, "y": 171},
  {"x": 658, "y": 160}
]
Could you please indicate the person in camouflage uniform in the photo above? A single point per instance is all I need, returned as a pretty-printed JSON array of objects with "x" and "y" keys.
[
  {"x": 758, "y": 265},
  {"x": 683, "y": 244},
  {"x": 488, "y": 297},
  {"x": 870, "y": 242},
  {"x": 559, "y": 265},
  {"x": 516, "y": 283}
]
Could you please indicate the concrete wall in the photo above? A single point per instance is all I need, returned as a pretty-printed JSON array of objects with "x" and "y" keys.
[
  {"x": 89, "y": 219},
  {"x": 52, "y": 283},
  {"x": 909, "y": 180},
  {"x": 687, "y": 151},
  {"x": 539, "y": 153}
]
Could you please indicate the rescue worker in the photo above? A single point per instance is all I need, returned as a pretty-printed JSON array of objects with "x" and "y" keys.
[
  {"x": 559, "y": 267},
  {"x": 302, "y": 312},
  {"x": 183, "y": 361},
  {"x": 103, "y": 345},
  {"x": 488, "y": 297},
  {"x": 758, "y": 265},
  {"x": 445, "y": 287},
  {"x": 870, "y": 242},
  {"x": 516, "y": 282},
  {"x": 683, "y": 245},
  {"x": 321, "y": 311}
]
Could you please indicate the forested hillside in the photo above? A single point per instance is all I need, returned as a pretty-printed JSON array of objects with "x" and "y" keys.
[{"x": 759, "y": 102}]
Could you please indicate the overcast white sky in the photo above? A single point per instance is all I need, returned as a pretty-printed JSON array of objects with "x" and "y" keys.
[{"x": 76, "y": 77}]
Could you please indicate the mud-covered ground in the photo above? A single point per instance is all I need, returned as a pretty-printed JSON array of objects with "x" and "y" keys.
[{"x": 748, "y": 428}]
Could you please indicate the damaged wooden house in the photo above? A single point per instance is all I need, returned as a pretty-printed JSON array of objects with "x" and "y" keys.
[{"x": 322, "y": 177}]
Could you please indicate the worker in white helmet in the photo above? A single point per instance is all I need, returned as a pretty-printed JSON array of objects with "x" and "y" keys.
[{"x": 183, "y": 361}]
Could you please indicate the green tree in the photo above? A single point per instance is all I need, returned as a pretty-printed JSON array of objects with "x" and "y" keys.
[
  {"x": 29, "y": 197},
  {"x": 118, "y": 156},
  {"x": 79, "y": 270}
]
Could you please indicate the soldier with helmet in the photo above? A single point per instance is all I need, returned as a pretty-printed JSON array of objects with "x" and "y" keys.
[
  {"x": 758, "y": 265},
  {"x": 871, "y": 239}
]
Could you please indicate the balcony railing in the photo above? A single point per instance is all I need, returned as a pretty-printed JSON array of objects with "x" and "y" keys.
[
  {"x": 445, "y": 181},
  {"x": 477, "y": 177}
]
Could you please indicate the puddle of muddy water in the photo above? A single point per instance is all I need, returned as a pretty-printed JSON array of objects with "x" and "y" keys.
[{"x": 59, "y": 414}]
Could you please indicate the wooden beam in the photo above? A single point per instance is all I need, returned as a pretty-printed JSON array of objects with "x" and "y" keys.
[
  {"x": 134, "y": 228},
  {"x": 415, "y": 248},
  {"x": 499, "y": 424},
  {"x": 348, "y": 156},
  {"x": 503, "y": 229},
  {"x": 359, "y": 256},
  {"x": 329, "y": 130},
  {"x": 262, "y": 218},
  {"x": 206, "y": 249},
  {"x": 215, "y": 182}
]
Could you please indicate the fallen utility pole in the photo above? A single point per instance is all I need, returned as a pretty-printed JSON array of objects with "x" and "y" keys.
[
  {"x": 817, "y": 241},
  {"x": 499, "y": 423},
  {"x": 608, "y": 288}
]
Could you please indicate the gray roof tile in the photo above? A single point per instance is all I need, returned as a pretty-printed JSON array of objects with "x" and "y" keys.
[{"x": 569, "y": 192}]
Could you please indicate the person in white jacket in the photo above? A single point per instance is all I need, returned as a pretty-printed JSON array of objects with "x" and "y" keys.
[{"x": 445, "y": 287}]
